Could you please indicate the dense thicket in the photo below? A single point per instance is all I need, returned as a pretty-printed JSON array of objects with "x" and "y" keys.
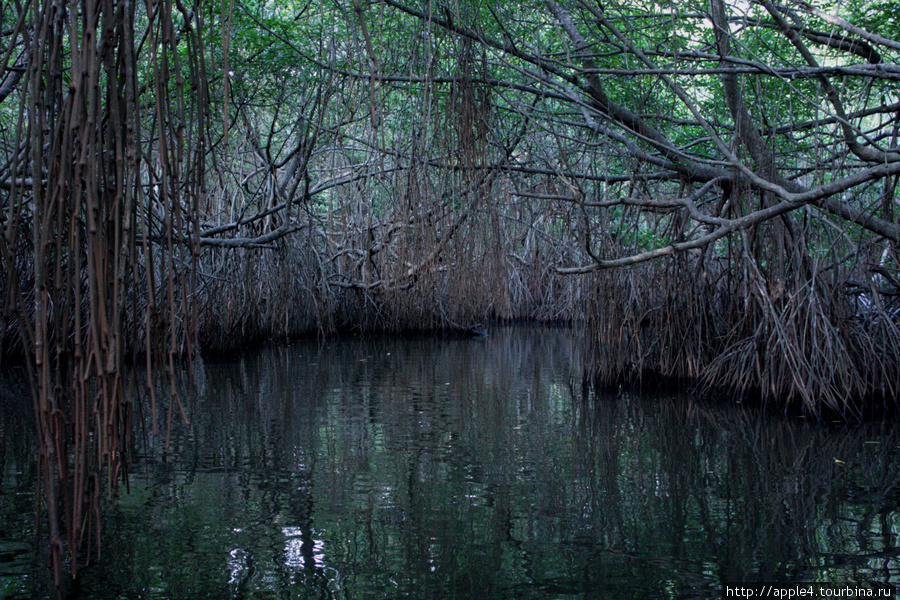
[
  {"x": 707, "y": 188},
  {"x": 447, "y": 163}
]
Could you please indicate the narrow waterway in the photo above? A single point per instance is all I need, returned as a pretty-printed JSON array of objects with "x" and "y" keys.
[{"x": 467, "y": 468}]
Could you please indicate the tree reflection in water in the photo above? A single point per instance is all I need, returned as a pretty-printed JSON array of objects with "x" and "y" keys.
[{"x": 427, "y": 468}]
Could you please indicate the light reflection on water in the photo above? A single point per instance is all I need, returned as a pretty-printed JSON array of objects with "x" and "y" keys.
[{"x": 390, "y": 468}]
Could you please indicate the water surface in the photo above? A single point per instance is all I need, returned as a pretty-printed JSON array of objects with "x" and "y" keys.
[{"x": 428, "y": 468}]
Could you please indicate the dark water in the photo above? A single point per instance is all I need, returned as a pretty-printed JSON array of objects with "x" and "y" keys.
[{"x": 388, "y": 468}]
